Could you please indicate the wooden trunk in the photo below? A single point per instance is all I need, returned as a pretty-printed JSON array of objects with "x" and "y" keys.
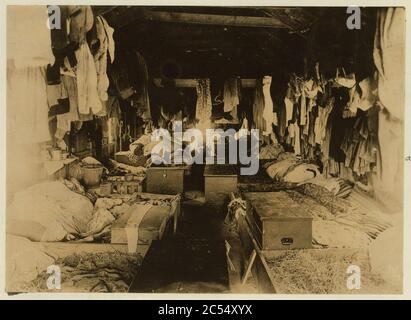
[
  {"x": 219, "y": 182},
  {"x": 278, "y": 222},
  {"x": 165, "y": 180}
]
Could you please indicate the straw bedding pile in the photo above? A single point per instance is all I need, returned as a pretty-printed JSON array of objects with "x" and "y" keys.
[
  {"x": 323, "y": 271},
  {"x": 93, "y": 272}
]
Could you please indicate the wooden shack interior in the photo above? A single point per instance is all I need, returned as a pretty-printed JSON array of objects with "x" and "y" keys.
[{"x": 323, "y": 87}]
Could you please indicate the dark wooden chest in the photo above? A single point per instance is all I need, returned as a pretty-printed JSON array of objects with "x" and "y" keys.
[
  {"x": 165, "y": 180},
  {"x": 277, "y": 221},
  {"x": 219, "y": 181}
]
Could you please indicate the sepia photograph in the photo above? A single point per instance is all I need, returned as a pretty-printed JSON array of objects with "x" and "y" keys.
[{"x": 204, "y": 149}]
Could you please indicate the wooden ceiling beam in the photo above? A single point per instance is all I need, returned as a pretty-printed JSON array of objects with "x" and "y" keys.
[
  {"x": 141, "y": 14},
  {"x": 214, "y": 19},
  {"x": 191, "y": 83}
]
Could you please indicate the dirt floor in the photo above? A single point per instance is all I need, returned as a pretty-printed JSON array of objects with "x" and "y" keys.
[{"x": 194, "y": 261}]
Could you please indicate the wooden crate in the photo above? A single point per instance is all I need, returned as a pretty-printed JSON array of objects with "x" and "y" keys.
[
  {"x": 278, "y": 222},
  {"x": 165, "y": 180},
  {"x": 219, "y": 182}
]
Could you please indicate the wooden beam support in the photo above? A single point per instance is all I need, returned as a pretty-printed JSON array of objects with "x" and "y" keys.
[
  {"x": 213, "y": 19},
  {"x": 191, "y": 83}
]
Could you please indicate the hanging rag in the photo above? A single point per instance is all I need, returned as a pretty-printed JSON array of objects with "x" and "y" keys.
[{"x": 105, "y": 39}]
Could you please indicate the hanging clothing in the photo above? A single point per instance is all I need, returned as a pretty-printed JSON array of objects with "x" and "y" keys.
[
  {"x": 350, "y": 110},
  {"x": 303, "y": 109},
  {"x": 64, "y": 120},
  {"x": 111, "y": 122},
  {"x": 297, "y": 143},
  {"x": 232, "y": 96},
  {"x": 360, "y": 144},
  {"x": 81, "y": 21},
  {"x": 282, "y": 123},
  {"x": 70, "y": 83},
  {"x": 105, "y": 39},
  {"x": 58, "y": 100},
  {"x": 320, "y": 125},
  {"x": 263, "y": 115},
  {"x": 344, "y": 80},
  {"x": 367, "y": 93},
  {"x": 268, "y": 113},
  {"x": 203, "y": 105},
  {"x": 27, "y": 105},
  {"x": 59, "y": 36},
  {"x": 289, "y": 106},
  {"x": 311, "y": 127},
  {"x": 121, "y": 81},
  {"x": 258, "y": 106},
  {"x": 389, "y": 183},
  {"x": 88, "y": 97},
  {"x": 311, "y": 89},
  {"x": 60, "y": 47},
  {"x": 389, "y": 58},
  {"x": 141, "y": 85},
  {"x": 31, "y": 49}
]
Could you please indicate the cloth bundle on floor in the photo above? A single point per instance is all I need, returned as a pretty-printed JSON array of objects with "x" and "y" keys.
[
  {"x": 48, "y": 211},
  {"x": 292, "y": 170}
]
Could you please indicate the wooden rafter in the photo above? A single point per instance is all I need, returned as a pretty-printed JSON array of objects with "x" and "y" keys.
[
  {"x": 122, "y": 17},
  {"x": 214, "y": 19}
]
